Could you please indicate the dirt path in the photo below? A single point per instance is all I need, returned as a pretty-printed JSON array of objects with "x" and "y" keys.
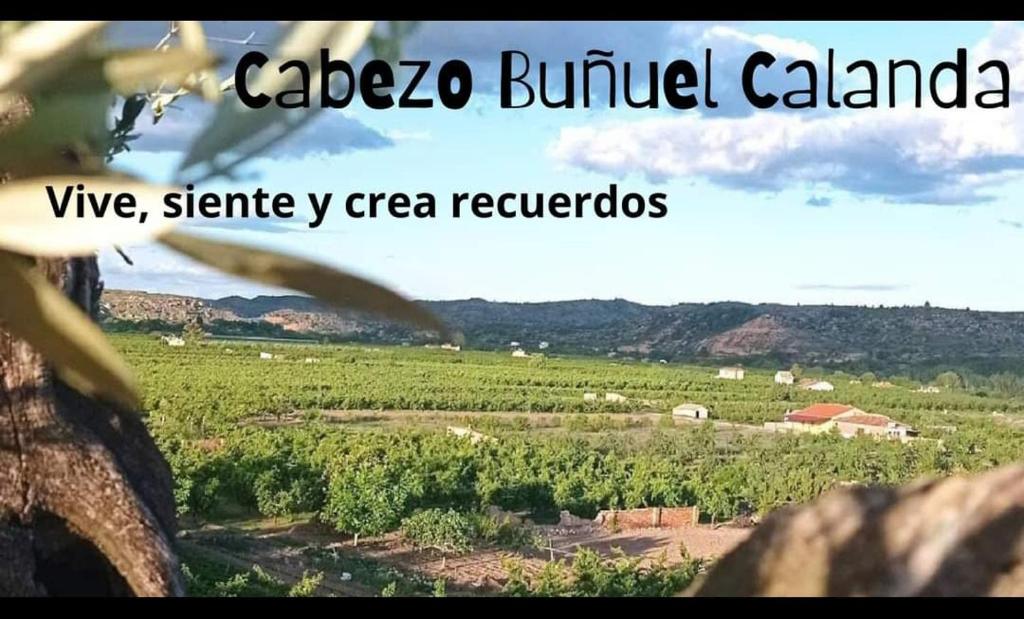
[
  {"x": 287, "y": 551},
  {"x": 288, "y": 570},
  {"x": 438, "y": 417}
]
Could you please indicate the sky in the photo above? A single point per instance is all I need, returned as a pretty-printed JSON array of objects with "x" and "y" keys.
[{"x": 852, "y": 207}]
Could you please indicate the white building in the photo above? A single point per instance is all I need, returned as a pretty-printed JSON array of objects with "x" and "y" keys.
[
  {"x": 266, "y": 355},
  {"x": 929, "y": 389},
  {"x": 455, "y": 347},
  {"x": 783, "y": 377},
  {"x": 817, "y": 385},
  {"x": 543, "y": 345},
  {"x": 731, "y": 373},
  {"x": 614, "y": 397},
  {"x": 519, "y": 352},
  {"x": 589, "y": 397},
  {"x": 693, "y": 411},
  {"x": 172, "y": 340},
  {"x": 847, "y": 420}
]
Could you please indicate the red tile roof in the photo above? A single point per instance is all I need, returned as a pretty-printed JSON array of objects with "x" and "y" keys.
[{"x": 823, "y": 411}]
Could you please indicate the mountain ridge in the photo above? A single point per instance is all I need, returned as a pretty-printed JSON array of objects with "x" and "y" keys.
[{"x": 828, "y": 335}]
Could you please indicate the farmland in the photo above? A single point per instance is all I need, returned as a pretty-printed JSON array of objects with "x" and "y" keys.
[{"x": 351, "y": 440}]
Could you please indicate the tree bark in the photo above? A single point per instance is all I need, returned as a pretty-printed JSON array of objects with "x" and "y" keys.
[{"x": 86, "y": 498}]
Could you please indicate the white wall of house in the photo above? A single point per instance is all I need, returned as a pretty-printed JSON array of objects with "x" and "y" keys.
[
  {"x": 783, "y": 378},
  {"x": 692, "y": 411},
  {"x": 731, "y": 373},
  {"x": 821, "y": 385}
]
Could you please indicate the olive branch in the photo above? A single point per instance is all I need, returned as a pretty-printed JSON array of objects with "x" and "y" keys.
[{"x": 58, "y": 81}]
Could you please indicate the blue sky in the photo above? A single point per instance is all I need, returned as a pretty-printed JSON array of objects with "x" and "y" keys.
[{"x": 861, "y": 207}]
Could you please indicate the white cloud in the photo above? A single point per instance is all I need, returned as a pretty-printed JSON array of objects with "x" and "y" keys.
[
  {"x": 158, "y": 269},
  {"x": 398, "y": 135},
  {"x": 716, "y": 36},
  {"x": 926, "y": 155}
]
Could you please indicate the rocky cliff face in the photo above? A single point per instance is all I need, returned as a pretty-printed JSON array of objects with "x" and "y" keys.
[
  {"x": 763, "y": 335},
  {"x": 133, "y": 305}
]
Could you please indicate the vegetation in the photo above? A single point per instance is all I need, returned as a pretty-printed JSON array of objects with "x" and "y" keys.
[
  {"x": 208, "y": 578},
  {"x": 259, "y": 435},
  {"x": 366, "y": 480},
  {"x": 59, "y": 81},
  {"x": 226, "y": 381},
  {"x": 446, "y": 530},
  {"x": 589, "y": 575}
]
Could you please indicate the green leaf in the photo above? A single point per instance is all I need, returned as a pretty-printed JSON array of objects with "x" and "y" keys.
[
  {"x": 249, "y": 131},
  {"x": 35, "y": 311},
  {"x": 335, "y": 287},
  {"x": 28, "y": 225}
]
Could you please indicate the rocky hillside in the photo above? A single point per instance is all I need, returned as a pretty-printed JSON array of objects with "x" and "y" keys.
[{"x": 872, "y": 338}]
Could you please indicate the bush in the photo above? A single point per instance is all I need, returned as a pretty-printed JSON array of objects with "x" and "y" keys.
[
  {"x": 281, "y": 491},
  {"x": 504, "y": 532},
  {"x": 446, "y": 530},
  {"x": 307, "y": 585},
  {"x": 367, "y": 500}
]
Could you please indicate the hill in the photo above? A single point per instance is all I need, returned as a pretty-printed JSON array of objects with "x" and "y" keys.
[{"x": 888, "y": 339}]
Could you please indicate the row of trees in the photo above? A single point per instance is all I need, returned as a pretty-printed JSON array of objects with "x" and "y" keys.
[
  {"x": 227, "y": 382},
  {"x": 366, "y": 483}
]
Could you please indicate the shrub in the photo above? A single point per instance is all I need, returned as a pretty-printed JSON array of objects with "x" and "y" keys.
[{"x": 446, "y": 530}]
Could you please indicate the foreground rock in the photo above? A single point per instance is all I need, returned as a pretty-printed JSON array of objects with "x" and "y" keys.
[{"x": 961, "y": 536}]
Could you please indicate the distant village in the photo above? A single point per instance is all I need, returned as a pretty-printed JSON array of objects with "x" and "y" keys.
[{"x": 848, "y": 421}]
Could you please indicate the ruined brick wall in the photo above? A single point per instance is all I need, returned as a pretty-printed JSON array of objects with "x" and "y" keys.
[{"x": 673, "y": 517}]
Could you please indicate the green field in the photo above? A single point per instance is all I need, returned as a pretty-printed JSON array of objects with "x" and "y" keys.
[
  {"x": 251, "y": 436},
  {"x": 228, "y": 381}
]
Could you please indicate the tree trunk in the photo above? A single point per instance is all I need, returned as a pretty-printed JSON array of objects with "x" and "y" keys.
[{"x": 86, "y": 499}]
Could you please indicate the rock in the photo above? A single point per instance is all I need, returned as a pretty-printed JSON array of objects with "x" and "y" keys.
[{"x": 960, "y": 536}]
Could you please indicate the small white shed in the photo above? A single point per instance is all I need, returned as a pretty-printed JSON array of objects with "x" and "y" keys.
[
  {"x": 783, "y": 377},
  {"x": 818, "y": 385},
  {"x": 731, "y": 373},
  {"x": 693, "y": 411}
]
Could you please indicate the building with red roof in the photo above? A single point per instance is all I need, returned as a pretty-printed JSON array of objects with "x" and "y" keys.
[{"x": 848, "y": 420}]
